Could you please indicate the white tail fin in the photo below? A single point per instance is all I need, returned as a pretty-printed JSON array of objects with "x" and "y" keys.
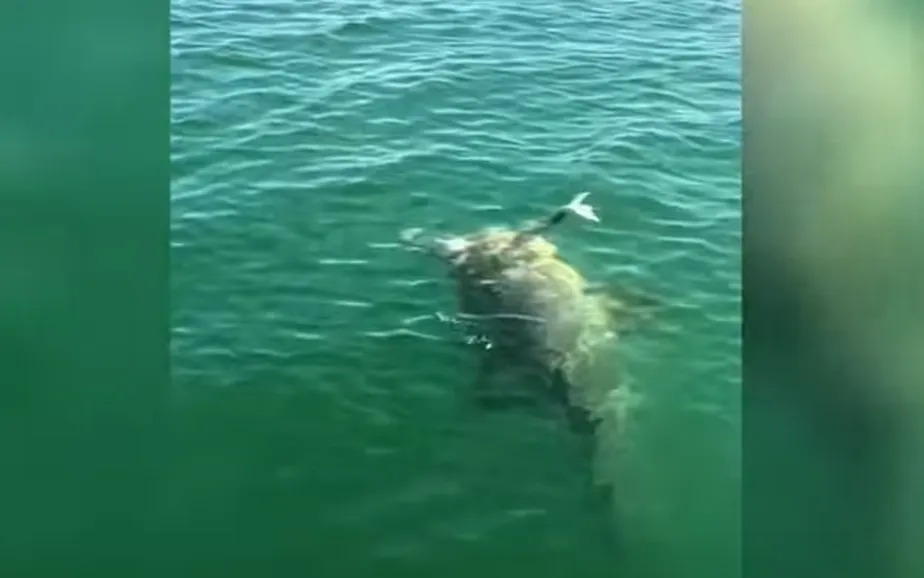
[{"x": 582, "y": 209}]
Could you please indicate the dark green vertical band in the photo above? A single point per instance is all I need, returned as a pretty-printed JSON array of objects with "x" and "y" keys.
[{"x": 84, "y": 225}]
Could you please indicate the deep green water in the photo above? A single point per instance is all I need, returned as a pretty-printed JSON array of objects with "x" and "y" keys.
[{"x": 321, "y": 420}]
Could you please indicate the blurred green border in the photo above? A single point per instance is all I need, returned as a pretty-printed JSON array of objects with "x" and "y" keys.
[
  {"x": 84, "y": 219},
  {"x": 84, "y": 311},
  {"x": 834, "y": 214}
]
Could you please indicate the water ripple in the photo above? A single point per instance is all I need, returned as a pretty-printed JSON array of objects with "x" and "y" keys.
[{"x": 305, "y": 137}]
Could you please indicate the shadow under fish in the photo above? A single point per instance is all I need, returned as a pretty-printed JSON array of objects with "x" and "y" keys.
[{"x": 542, "y": 325}]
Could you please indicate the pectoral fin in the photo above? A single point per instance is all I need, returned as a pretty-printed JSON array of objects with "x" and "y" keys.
[{"x": 628, "y": 309}]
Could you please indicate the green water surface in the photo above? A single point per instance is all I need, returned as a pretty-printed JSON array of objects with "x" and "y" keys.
[{"x": 320, "y": 424}]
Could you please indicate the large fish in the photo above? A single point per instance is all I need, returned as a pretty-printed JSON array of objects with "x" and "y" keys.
[{"x": 535, "y": 313}]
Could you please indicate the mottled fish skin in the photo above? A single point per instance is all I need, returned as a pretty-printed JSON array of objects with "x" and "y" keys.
[
  {"x": 533, "y": 308},
  {"x": 528, "y": 305}
]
